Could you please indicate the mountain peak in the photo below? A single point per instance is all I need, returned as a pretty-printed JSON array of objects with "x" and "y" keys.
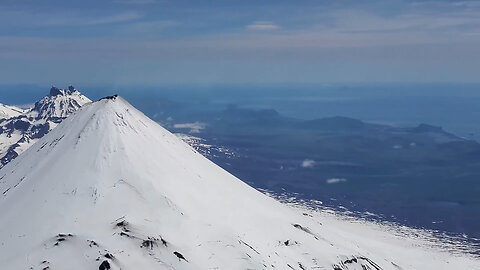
[
  {"x": 58, "y": 104},
  {"x": 21, "y": 128},
  {"x": 54, "y": 91},
  {"x": 113, "y": 97}
]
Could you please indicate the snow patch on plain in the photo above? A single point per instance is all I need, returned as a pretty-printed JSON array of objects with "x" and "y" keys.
[
  {"x": 308, "y": 163},
  {"x": 335, "y": 180}
]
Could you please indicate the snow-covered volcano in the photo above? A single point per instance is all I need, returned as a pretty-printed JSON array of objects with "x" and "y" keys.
[{"x": 109, "y": 188}]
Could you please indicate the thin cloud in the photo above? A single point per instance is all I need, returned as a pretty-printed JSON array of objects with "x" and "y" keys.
[
  {"x": 152, "y": 28},
  {"x": 360, "y": 22},
  {"x": 115, "y": 18},
  {"x": 28, "y": 19},
  {"x": 262, "y": 26}
]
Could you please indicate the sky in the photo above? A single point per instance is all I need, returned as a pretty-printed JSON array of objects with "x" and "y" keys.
[{"x": 128, "y": 42}]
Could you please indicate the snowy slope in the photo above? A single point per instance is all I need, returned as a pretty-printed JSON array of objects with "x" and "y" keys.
[
  {"x": 109, "y": 188},
  {"x": 9, "y": 111},
  {"x": 19, "y": 129}
]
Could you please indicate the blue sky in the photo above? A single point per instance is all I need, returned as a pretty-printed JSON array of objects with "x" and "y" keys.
[{"x": 167, "y": 41}]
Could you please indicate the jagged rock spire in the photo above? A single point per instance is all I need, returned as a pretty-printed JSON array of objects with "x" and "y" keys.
[{"x": 54, "y": 91}]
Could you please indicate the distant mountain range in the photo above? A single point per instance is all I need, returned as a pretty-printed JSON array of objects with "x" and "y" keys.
[{"x": 420, "y": 176}]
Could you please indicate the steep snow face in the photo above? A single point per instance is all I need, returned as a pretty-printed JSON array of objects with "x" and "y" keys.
[
  {"x": 19, "y": 129},
  {"x": 108, "y": 188}
]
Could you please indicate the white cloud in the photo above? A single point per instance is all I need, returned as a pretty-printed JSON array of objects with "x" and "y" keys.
[
  {"x": 335, "y": 180},
  {"x": 308, "y": 163},
  {"x": 115, "y": 18},
  {"x": 262, "y": 26},
  {"x": 194, "y": 127},
  {"x": 27, "y": 19}
]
